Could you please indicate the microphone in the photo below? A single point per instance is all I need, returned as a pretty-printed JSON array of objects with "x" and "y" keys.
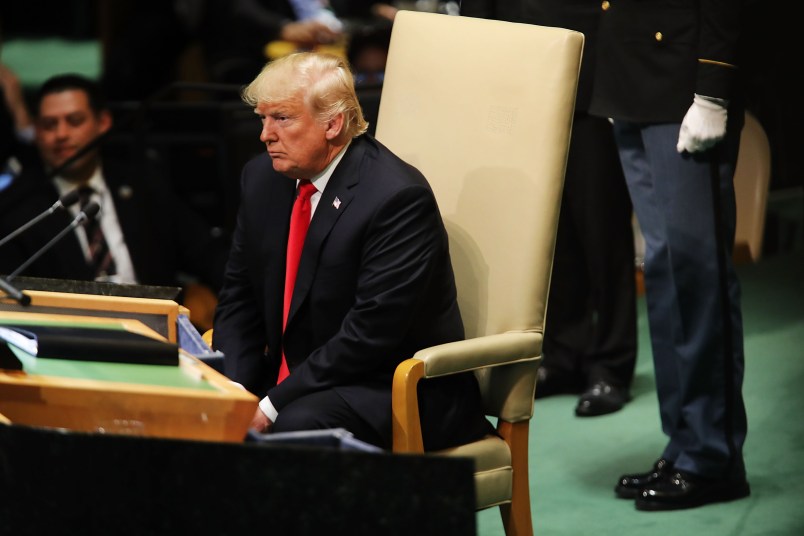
[
  {"x": 68, "y": 199},
  {"x": 14, "y": 293},
  {"x": 89, "y": 212}
]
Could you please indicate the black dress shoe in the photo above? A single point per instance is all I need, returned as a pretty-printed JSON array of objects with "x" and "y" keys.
[
  {"x": 554, "y": 382},
  {"x": 600, "y": 399},
  {"x": 629, "y": 486},
  {"x": 684, "y": 490}
]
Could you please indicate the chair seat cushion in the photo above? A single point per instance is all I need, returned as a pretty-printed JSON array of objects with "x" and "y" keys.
[{"x": 493, "y": 471}]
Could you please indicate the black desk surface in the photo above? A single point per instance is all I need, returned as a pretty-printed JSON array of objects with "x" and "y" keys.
[{"x": 72, "y": 483}]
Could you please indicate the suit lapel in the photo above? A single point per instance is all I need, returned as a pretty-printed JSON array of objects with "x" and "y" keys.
[
  {"x": 124, "y": 197},
  {"x": 277, "y": 194}
]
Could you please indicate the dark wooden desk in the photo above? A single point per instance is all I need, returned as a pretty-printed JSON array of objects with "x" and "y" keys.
[{"x": 75, "y": 483}]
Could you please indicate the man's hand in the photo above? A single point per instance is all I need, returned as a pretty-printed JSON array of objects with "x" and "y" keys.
[
  {"x": 703, "y": 126},
  {"x": 309, "y": 33},
  {"x": 15, "y": 101},
  {"x": 384, "y": 10},
  {"x": 260, "y": 422}
]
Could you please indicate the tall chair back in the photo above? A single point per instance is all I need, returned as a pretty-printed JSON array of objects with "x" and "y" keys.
[
  {"x": 484, "y": 109},
  {"x": 751, "y": 183}
]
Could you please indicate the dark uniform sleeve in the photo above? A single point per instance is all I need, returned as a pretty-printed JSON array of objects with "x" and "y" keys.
[{"x": 717, "y": 50}]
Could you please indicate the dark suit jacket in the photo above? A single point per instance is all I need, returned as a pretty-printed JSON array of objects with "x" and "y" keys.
[
  {"x": 162, "y": 235},
  {"x": 375, "y": 284},
  {"x": 579, "y": 15},
  {"x": 654, "y": 55},
  {"x": 509, "y": 10}
]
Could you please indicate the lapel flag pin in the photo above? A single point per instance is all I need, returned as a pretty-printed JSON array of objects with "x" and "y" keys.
[{"x": 336, "y": 203}]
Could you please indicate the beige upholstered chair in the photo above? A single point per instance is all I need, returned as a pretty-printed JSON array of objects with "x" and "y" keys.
[
  {"x": 751, "y": 184},
  {"x": 484, "y": 109}
]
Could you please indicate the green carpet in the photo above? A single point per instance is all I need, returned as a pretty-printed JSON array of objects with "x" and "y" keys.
[{"x": 574, "y": 463}]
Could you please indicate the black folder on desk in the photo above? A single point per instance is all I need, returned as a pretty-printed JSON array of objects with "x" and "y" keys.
[{"x": 85, "y": 343}]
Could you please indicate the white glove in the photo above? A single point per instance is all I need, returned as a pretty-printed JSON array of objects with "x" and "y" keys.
[{"x": 703, "y": 126}]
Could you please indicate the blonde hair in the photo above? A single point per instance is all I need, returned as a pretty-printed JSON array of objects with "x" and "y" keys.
[{"x": 324, "y": 81}]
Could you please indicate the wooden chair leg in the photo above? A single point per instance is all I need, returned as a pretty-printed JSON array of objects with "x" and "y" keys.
[{"x": 516, "y": 516}]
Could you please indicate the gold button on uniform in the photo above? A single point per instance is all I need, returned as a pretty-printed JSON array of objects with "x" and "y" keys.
[
  {"x": 658, "y": 36},
  {"x": 605, "y": 5}
]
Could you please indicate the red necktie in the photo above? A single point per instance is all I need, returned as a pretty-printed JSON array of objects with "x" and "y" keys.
[{"x": 299, "y": 222}]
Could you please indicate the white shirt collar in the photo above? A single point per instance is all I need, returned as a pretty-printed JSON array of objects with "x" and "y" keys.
[
  {"x": 96, "y": 182},
  {"x": 321, "y": 180}
]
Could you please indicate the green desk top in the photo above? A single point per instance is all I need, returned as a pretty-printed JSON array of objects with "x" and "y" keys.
[{"x": 155, "y": 375}]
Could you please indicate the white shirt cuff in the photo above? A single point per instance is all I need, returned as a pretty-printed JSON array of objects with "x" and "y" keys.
[{"x": 269, "y": 409}]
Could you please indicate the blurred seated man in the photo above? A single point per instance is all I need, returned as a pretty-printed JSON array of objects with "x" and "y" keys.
[
  {"x": 315, "y": 321},
  {"x": 236, "y": 49},
  {"x": 16, "y": 134},
  {"x": 145, "y": 235}
]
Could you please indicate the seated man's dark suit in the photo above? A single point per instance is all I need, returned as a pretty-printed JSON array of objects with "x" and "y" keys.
[
  {"x": 375, "y": 284},
  {"x": 163, "y": 235}
]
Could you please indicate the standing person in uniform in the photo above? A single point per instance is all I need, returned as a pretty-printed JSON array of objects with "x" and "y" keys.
[
  {"x": 667, "y": 74},
  {"x": 590, "y": 343}
]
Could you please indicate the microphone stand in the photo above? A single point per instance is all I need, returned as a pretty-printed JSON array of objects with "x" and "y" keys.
[
  {"x": 85, "y": 215},
  {"x": 63, "y": 202},
  {"x": 13, "y": 292}
]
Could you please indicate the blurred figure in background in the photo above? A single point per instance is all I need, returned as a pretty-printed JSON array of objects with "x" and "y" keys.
[
  {"x": 17, "y": 150},
  {"x": 143, "y": 234},
  {"x": 152, "y": 43},
  {"x": 236, "y": 50}
]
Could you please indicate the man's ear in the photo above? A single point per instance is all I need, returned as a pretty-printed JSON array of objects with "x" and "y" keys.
[
  {"x": 105, "y": 121},
  {"x": 334, "y": 127}
]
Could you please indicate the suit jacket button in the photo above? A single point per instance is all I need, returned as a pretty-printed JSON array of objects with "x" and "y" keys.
[
  {"x": 658, "y": 36},
  {"x": 605, "y": 5}
]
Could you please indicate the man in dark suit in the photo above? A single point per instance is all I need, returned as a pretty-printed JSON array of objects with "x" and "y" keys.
[
  {"x": 590, "y": 340},
  {"x": 667, "y": 76},
  {"x": 374, "y": 281},
  {"x": 235, "y": 58},
  {"x": 152, "y": 238}
]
